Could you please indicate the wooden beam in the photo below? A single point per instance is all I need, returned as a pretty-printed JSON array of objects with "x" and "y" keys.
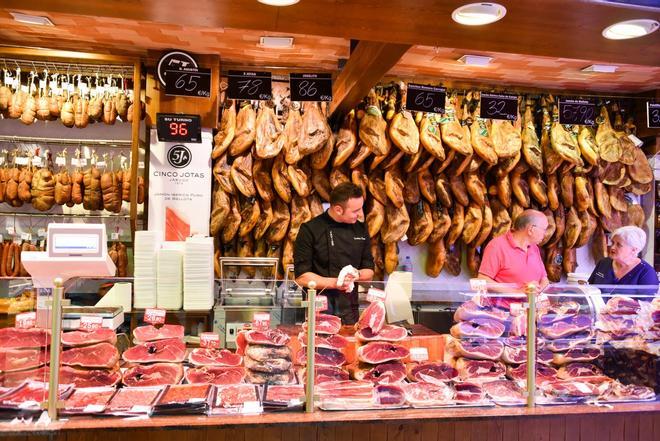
[{"x": 368, "y": 63}]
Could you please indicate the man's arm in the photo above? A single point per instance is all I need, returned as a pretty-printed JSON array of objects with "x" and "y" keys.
[{"x": 321, "y": 282}]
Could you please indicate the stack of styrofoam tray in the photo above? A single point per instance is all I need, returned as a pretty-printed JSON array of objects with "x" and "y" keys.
[
  {"x": 170, "y": 276},
  {"x": 198, "y": 273},
  {"x": 144, "y": 268}
]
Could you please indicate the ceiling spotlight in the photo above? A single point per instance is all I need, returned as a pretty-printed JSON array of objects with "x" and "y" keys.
[
  {"x": 601, "y": 68},
  {"x": 276, "y": 42},
  {"x": 475, "y": 60},
  {"x": 477, "y": 14},
  {"x": 278, "y": 2},
  {"x": 31, "y": 19},
  {"x": 630, "y": 29}
]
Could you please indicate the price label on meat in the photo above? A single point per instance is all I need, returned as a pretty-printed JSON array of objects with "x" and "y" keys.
[
  {"x": 209, "y": 340},
  {"x": 653, "y": 115},
  {"x": 90, "y": 323},
  {"x": 191, "y": 82},
  {"x": 261, "y": 321},
  {"x": 249, "y": 85},
  {"x": 310, "y": 87},
  {"x": 497, "y": 106},
  {"x": 375, "y": 295},
  {"x": 26, "y": 320},
  {"x": 577, "y": 112},
  {"x": 423, "y": 98},
  {"x": 321, "y": 303},
  {"x": 419, "y": 354},
  {"x": 155, "y": 316}
]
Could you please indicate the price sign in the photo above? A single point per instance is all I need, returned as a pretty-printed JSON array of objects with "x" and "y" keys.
[
  {"x": 653, "y": 115},
  {"x": 577, "y": 112},
  {"x": 249, "y": 85},
  {"x": 423, "y": 98},
  {"x": 90, "y": 323},
  {"x": 310, "y": 87},
  {"x": 155, "y": 316},
  {"x": 26, "y": 320},
  {"x": 209, "y": 340},
  {"x": 375, "y": 295},
  {"x": 419, "y": 354},
  {"x": 173, "y": 60},
  {"x": 261, "y": 320},
  {"x": 192, "y": 82},
  {"x": 496, "y": 106},
  {"x": 173, "y": 127},
  {"x": 321, "y": 303},
  {"x": 478, "y": 285}
]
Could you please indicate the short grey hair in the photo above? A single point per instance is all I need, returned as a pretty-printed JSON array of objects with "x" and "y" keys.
[
  {"x": 526, "y": 218},
  {"x": 633, "y": 236}
]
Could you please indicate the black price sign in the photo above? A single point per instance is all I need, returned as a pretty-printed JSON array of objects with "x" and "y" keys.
[
  {"x": 310, "y": 87},
  {"x": 496, "y": 106},
  {"x": 249, "y": 85},
  {"x": 173, "y": 127},
  {"x": 174, "y": 60},
  {"x": 423, "y": 98},
  {"x": 577, "y": 112},
  {"x": 653, "y": 115},
  {"x": 193, "y": 82}
]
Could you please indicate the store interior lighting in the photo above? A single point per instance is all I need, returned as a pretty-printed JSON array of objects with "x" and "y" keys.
[
  {"x": 278, "y": 2},
  {"x": 624, "y": 30},
  {"x": 276, "y": 42},
  {"x": 31, "y": 19},
  {"x": 478, "y": 14},
  {"x": 475, "y": 60},
  {"x": 601, "y": 68}
]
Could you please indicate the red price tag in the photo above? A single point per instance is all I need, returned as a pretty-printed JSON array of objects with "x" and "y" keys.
[
  {"x": 155, "y": 316},
  {"x": 375, "y": 295},
  {"x": 321, "y": 303},
  {"x": 26, "y": 320},
  {"x": 261, "y": 320},
  {"x": 209, "y": 340},
  {"x": 90, "y": 323}
]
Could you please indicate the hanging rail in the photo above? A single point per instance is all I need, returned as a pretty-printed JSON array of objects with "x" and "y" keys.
[
  {"x": 68, "y": 68},
  {"x": 68, "y": 141},
  {"x": 75, "y": 215}
]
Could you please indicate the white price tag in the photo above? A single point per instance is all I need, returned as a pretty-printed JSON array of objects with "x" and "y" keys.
[
  {"x": 1, "y": 238},
  {"x": 209, "y": 340},
  {"x": 8, "y": 80},
  {"x": 582, "y": 387},
  {"x": 10, "y": 231},
  {"x": 140, "y": 409},
  {"x": 54, "y": 89},
  {"x": 478, "y": 285},
  {"x": 82, "y": 162},
  {"x": 22, "y": 160},
  {"x": 2, "y": 160},
  {"x": 94, "y": 408},
  {"x": 100, "y": 90},
  {"x": 42, "y": 84},
  {"x": 376, "y": 295},
  {"x": 638, "y": 142},
  {"x": 65, "y": 85},
  {"x": 26, "y": 236},
  {"x": 83, "y": 88},
  {"x": 75, "y": 162},
  {"x": 71, "y": 88},
  {"x": 101, "y": 164},
  {"x": 61, "y": 161},
  {"x": 419, "y": 354},
  {"x": 261, "y": 320},
  {"x": 155, "y": 316},
  {"x": 196, "y": 400},
  {"x": 26, "y": 320},
  {"x": 114, "y": 236},
  {"x": 140, "y": 164},
  {"x": 114, "y": 90},
  {"x": 321, "y": 303},
  {"x": 37, "y": 161},
  {"x": 251, "y": 407},
  {"x": 90, "y": 323},
  {"x": 25, "y": 89},
  {"x": 41, "y": 232}
]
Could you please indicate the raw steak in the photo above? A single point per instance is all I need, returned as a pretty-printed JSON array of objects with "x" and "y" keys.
[
  {"x": 389, "y": 395},
  {"x": 380, "y": 352},
  {"x": 324, "y": 374},
  {"x": 543, "y": 373},
  {"x": 270, "y": 337},
  {"x": 578, "y": 370},
  {"x": 24, "y": 338},
  {"x": 564, "y": 328},
  {"x": 216, "y": 375},
  {"x": 82, "y": 338},
  {"x": 471, "y": 310},
  {"x": 387, "y": 333},
  {"x": 156, "y": 374},
  {"x": 431, "y": 372},
  {"x": 620, "y": 305},
  {"x": 21, "y": 359},
  {"x": 467, "y": 392},
  {"x": 559, "y": 312},
  {"x": 479, "y": 370},
  {"x": 422, "y": 394},
  {"x": 334, "y": 341},
  {"x": 479, "y": 348},
  {"x": 271, "y": 366},
  {"x": 126, "y": 398},
  {"x": 285, "y": 394},
  {"x": 583, "y": 353},
  {"x": 255, "y": 377},
  {"x": 171, "y": 350},
  {"x": 265, "y": 353},
  {"x": 504, "y": 392},
  {"x": 151, "y": 333},
  {"x": 569, "y": 389},
  {"x": 322, "y": 357},
  {"x": 390, "y": 372},
  {"x": 214, "y": 357},
  {"x": 628, "y": 392},
  {"x": 89, "y": 378},
  {"x": 478, "y": 327},
  {"x": 373, "y": 317},
  {"x": 325, "y": 324},
  {"x": 564, "y": 344},
  {"x": 100, "y": 355},
  {"x": 235, "y": 395},
  {"x": 181, "y": 394}
]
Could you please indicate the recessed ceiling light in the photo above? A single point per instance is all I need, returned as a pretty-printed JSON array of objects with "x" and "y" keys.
[
  {"x": 630, "y": 29},
  {"x": 475, "y": 60},
  {"x": 276, "y": 42},
  {"x": 31, "y": 19},
  {"x": 477, "y": 14},
  {"x": 278, "y": 2},
  {"x": 601, "y": 68}
]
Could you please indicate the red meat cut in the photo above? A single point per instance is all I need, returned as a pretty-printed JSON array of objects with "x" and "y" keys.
[
  {"x": 24, "y": 338},
  {"x": 570, "y": 389},
  {"x": 387, "y": 333},
  {"x": 151, "y": 333},
  {"x": 467, "y": 392},
  {"x": 156, "y": 374},
  {"x": 564, "y": 344},
  {"x": 543, "y": 373},
  {"x": 564, "y": 328},
  {"x": 100, "y": 355},
  {"x": 333, "y": 341},
  {"x": 270, "y": 337},
  {"x": 268, "y": 366},
  {"x": 285, "y": 393},
  {"x": 373, "y": 317},
  {"x": 83, "y": 338},
  {"x": 504, "y": 392},
  {"x": 172, "y": 350},
  {"x": 577, "y": 370},
  {"x": 89, "y": 377},
  {"x": 431, "y": 372},
  {"x": 620, "y": 392},
  {"x": 618, "y": 326},
  {"x": 322, "y": 357},
  {"x": 346, "y": 389},
  {"x": 514, "y": 354},
  {"x": 182, "y": 394},
  {"x": 21, "y": 359},
  {"x": 214, "y": 357},
  {"x": 325, "y": 324},
  {"x": 479, "y": 348},
  {"x": 479, "y": 370},
  {"x": 216, "y": 375},
  {"x": 477, "y": 328},
  {"x": 379, "y": 352},
  {"x": 558, "y": 312},
  {"x": 620, "y": 305},
  {"x": 389, "y": 395},
  {"x": 423, "y": 394},
  {"x": 384, "y": 373},
  {"x": 235, "y": 395},
  {"x": 323, "y": 374},
  {"x": 544, "y": 356},
  {"x": 471, "y": 310},
  {"x": 582, "y": 353}
]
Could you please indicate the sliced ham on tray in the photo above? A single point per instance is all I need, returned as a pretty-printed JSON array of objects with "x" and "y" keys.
[
  {"x": 214, "y": 357},
  {"x": 504, "y": 392},
  {"x": 83, "y": 338},
  {"x": 333, "y": 341},
  {"x": 100, "y": 355},
  {"x": 619, "y": 327},
  {"x": 620, "y": 305},
  {"x": 391, "y": 333},
  {"x": 577, "y": 370},
  {"x": 89, "y": 377},
  {"x": 322, "y": 357},
  {"x": 323, "y": 374},
  {"x": 479, "y": 370},
  {"x": 384, "y": 373},
  {"x": 423, "y": 394},
  {"x": 543, "y": 373},
  {"x": 389, "y": 395},
  {"x": 583, "y": 354},
  {"x": 340, "y": 389},
  {"x": 478, "y": 328},
  {"x": 285, "y": 393},
  {"x": 380, "y": 352},
  {"x": 215, "y": 375},
  {"x": 478, "y": 348},
  {"x": 471, "y": 310},
  {"x": 24, "y": 338},
  {"x": 171, "y": 350},
  {"x": 235, "y": 395},
  {"x": 570, "y": 389},
  {"x": 152, "y": 333},
  {"x": 628, "y": 392},
  {"x": 21, "y": 359},
  {"x": 558, "y": 312},
  {"x": 270, "y": 337},
  {"x": 182, "y": 394},
  {"x": 373, "y": 317},
  {"x": 431, "y": 372},
  {"x": 514, "y": 354},
  {"x": 564, "y": 344},
  {"x": 325, "y": 324},
  {"x": 564, "y": 328},
  {"x": 156, "y": 374}
]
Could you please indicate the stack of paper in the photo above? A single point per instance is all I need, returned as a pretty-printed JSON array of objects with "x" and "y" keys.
[
  {"x": 198, "y": 275},
  {"x": 170, "y": 276},
  {"x": 144, "y": 269}
]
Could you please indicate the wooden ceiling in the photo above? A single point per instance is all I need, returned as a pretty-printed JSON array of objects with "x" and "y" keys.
[{"x": 537, "y": 44}]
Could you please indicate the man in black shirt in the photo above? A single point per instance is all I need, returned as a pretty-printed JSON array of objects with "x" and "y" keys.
[{"x": 328, "y": 243}]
